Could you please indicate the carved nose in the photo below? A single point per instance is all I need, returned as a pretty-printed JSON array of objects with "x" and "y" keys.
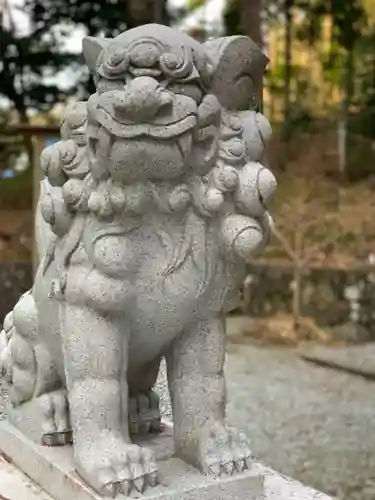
[{"x": 142, "y": 100}]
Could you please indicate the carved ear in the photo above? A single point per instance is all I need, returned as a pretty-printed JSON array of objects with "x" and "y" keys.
[
  {"x": 239, "y": 66},
  {"x": 92, "y": 48}
]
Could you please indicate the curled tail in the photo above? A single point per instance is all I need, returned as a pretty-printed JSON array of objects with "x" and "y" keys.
[
  {"x": 17, "y": 355},
  {"x": 5, "y": 346}
]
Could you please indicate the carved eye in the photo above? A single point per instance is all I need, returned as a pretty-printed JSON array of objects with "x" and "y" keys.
[
  {"x": 191, "y": 90},
  {"x": 177, "y": 67},
  {"x": 116, "y": 60}
]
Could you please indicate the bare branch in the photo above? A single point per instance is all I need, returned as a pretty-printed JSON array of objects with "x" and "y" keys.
[{"x": 285, "y": 244}]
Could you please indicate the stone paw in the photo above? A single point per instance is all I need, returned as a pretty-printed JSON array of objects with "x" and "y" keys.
[
  {"x": 144, "y": 413},
  {"x": 111, "y": 466},
  {"x": 223, "y": 451},
  {"x": 56, "y": 427}
]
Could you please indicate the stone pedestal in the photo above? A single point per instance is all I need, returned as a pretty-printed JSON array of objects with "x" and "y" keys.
[
  {"x": 53, "y": 470},
  {"x": 47, "y": 473}
]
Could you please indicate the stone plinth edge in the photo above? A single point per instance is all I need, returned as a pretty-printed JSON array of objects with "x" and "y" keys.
[{"x": 53, "y": 470}]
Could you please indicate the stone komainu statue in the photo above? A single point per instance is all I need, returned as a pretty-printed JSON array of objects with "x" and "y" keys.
[{"x": 152, "y": 202}]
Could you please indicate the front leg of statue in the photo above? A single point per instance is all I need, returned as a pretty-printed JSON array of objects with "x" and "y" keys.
[
  {"x": 197, "y": 385},
  {"x": 95, "y": 350}
]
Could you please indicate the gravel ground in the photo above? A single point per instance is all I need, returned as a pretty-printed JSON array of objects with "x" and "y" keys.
[{"x": 308, "y": 422}]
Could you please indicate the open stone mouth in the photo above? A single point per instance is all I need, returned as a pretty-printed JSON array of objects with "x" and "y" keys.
[
  {"x": 158, "y": 114},
  {"x": 126, "y": 129}
]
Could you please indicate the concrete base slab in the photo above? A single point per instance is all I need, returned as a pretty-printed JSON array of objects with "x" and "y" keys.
[
  {"x": 48, "y": 472},
  {"x": 280, "y": 487},
  {"x": 15, "y": 485},
  {"x": 52, "y": 469}
]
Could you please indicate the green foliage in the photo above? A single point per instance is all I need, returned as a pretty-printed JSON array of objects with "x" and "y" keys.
[
  {"x": 25, "y": 61},
  {"x": 348, "y": 62},
  {"x": 108, "y": 18},
  {"x": 195, "y": 4},
  {"x": 348, "y": 19}
]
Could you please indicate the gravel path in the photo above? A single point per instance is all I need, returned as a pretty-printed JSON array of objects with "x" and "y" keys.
[{"x": 308, "y": 422}]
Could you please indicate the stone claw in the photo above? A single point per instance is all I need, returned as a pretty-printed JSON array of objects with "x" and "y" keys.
[
  {"x": 153, "y": 479},
  {"x": 55, "y": 419},
  {"x": 215, "y": 470},
  {"x": 125, "y": 469},
  {"x": 223, "y": 451},
  {"x": 228, "y": 468},
  {"x": 110, "y": 490},
  {"x": 139, "y": 484},
  {"x": 240, "y": 465},
  {"x": 125, "y": 487},
  {"x": 144, "y": 413}
]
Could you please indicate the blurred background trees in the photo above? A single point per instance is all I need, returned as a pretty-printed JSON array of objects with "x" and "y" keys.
[
  {"x": 31, "y": 60},
  {"x": 319, "y": 89},
  {"x": 321, "y": 51}
]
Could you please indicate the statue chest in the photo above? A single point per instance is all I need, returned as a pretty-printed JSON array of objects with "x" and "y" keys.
[
  {"x": 160, "y": 276},
  {"x": 167, "y": 265}
]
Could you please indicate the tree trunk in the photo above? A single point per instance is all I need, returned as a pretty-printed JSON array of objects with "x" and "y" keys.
[
  {"x": 297, "y": 278},
  {"x": 296, "y": 305},
  {"x": 147, "y": 11},
  {"x": 251, "y": 20},
  {"x": 348, "y": 82},
  {"x": 288, "y": 7},
  {"x": 158, "y": 11}
]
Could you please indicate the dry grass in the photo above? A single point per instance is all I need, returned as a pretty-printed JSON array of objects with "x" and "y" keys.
[
  {"x": 280, "y": 330},
  {"x": 336, "y": 221}
]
